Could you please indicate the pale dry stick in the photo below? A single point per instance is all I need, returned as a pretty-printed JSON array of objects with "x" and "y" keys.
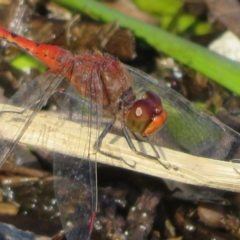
[{"x": 64, "y": 138}]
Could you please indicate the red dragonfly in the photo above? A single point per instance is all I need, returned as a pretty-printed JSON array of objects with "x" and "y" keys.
[
  {"x": 102, "y": 80},
  {"x": 98, "y": 91}
]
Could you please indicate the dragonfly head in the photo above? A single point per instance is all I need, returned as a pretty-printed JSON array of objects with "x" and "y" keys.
[{"x": 146, "y": 115}]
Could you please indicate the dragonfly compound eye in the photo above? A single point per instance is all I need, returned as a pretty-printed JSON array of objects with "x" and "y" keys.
[
  {"x": 139, "y": 115},
  {"x": 146, "y": 115}
]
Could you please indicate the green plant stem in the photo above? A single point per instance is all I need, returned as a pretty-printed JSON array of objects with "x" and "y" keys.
[{"x": 218, "y": 68}]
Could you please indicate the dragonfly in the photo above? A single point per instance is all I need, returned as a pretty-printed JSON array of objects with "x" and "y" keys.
[
  {"x": 92, "y": 75},
  {"x": 97, "y": 91}
]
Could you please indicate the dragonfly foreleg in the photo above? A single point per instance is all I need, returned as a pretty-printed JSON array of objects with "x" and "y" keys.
[
  {"x": 133, "y": 148},
  {"x": 98, "y": 143}
]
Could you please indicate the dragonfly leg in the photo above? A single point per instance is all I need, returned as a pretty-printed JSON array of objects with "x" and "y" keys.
[
  {"x": 133, "y": 148},
  {"x": 98, "y": 143}
]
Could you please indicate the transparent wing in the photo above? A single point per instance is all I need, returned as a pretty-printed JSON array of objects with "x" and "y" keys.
[
  {"x": 187, "y": 128},
  {"x": 75, "y": 186},
  {"x": 75, "y": 190},
  {"x": 23, "y": 107}
]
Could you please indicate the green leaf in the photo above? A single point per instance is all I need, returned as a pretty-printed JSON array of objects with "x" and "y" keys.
[
  {"x": 202, "y": 28},
  {"x": 25, "y": 61},
  {"x": 165, "y": 7}
]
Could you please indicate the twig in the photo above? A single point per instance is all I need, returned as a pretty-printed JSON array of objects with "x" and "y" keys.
[{"x": 69, "y": 138}]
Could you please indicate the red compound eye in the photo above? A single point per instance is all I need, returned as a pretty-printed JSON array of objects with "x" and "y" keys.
[{"x": 146, "y": 115}]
